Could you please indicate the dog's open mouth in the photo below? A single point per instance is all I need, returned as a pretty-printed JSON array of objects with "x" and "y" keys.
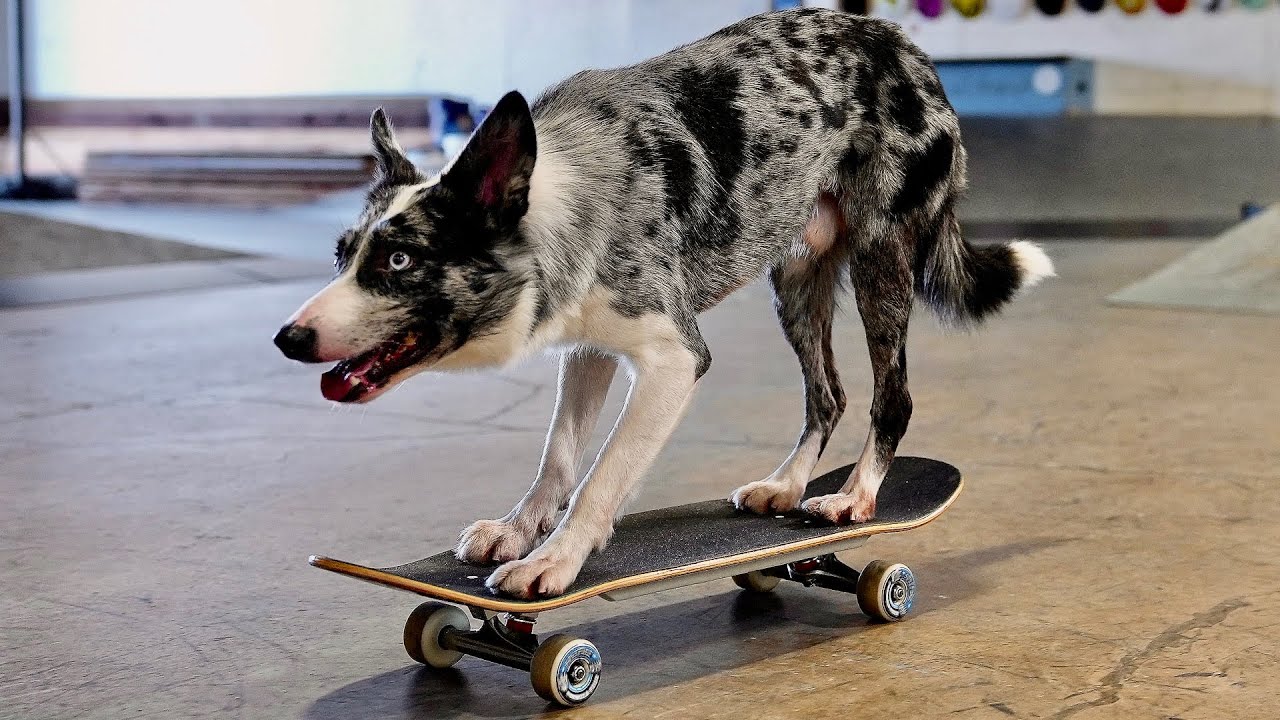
[{"x": 363, "y": 375}]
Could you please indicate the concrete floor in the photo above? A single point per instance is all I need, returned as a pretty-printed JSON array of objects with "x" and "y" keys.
[{"x": 165, "y": 475}]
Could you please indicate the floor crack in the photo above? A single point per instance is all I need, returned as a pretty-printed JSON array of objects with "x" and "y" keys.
[{"x": 1109, "y": 689}]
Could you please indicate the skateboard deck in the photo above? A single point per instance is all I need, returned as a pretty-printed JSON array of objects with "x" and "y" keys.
[{"x": 688, "y": 543}]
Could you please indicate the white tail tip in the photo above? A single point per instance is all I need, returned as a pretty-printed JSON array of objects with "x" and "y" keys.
[{"x": 1032, "y": 261}]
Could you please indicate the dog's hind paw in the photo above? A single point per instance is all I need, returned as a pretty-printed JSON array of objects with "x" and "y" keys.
[
  {"x": 493, "y": 541},
  {"x": 841, "y": 508},
  {"x": 535, "y": 576},
  {"x": 765, "y": 496}
]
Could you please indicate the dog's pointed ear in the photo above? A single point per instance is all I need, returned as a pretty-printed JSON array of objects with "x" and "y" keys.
[
  {"x": 393, "y": 166},
  {"x": 495, "y": 166}
]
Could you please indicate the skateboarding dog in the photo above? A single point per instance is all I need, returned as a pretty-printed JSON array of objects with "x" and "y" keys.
[{"x": 805, "y": 146}]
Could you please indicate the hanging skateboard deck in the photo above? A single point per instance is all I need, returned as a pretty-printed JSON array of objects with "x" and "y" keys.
[
  {"x": 931, "y": 8},
  {"x": 1051, "y": 7},
  {"x": 1132, "y": 7},
  {"x": 1172, "y": 7},
  {"x": 1092, "y": 6},
  {"x": 969, "y": 8},
  {"x": 892, "y": 9}
]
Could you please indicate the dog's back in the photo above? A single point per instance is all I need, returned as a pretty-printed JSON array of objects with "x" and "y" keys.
[{"x": 708, "y": 159}]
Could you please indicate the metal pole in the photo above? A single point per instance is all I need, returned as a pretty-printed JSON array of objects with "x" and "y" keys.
[
  {"x": 17, "y": 92},
  {"x": 20, "y": 186}
]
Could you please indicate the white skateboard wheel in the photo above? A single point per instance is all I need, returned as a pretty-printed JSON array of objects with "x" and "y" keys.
[
  {"x": 422, "y": 633},
  {"x": 756, "y": 581},
  {"x": 565, "y": 670},
  {"x": 886, "y": 591}
]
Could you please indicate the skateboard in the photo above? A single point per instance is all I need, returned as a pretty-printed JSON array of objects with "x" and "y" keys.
[
  {"x": 1132, "y": 7},
  {"x": 1092, "y": 6},
  {"x": 1051, "y": 7},
  {"x": 660, "y": 550},
  {"x": 1172, "y": 7}
]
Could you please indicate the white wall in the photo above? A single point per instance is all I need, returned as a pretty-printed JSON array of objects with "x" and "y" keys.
[
  {"x": 4, "y": 48},
  {"x": 481, "y": 48},
  {"x": 230, "y": 48}
]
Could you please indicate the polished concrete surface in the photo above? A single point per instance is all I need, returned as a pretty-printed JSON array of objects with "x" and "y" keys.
[{"x": 165, "y": 475}]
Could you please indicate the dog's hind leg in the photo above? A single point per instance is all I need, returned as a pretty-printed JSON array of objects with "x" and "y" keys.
[
  {"x": 884, "y": 283},
  {"x": 583, "y": 384},
  {"x": 804, "y": 294}
]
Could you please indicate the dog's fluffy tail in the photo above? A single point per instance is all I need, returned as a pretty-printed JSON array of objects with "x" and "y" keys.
[{"x": 965, "y": 283}]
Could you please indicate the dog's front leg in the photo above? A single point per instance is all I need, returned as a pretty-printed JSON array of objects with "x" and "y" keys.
[
  {"x": 583, "y": 384},
  {"x": 663, "y": 380}
]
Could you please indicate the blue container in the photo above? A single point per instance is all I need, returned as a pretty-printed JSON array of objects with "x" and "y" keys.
[{"x": 1018, "y": 88}]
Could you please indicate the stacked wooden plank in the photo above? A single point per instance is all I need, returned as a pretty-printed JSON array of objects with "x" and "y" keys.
[{"x": 220, "y": 178}]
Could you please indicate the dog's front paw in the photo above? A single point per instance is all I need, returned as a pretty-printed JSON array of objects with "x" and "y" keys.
[
  {"x": 842, "y": 509},
  {"x": 765, "y": 496},
  {"x": 539, "y": 575},
  {"x": 493, "y": 541}
]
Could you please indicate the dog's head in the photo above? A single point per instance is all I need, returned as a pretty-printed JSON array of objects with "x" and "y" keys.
[{"x": 431, "y": 266}]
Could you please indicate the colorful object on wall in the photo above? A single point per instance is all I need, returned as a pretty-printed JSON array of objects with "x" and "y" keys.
[
  {"x": 1006, "y": 9},
  {"x": 1254, "y": 4},
  {"x": 892, "y": 9},
  {"x": 857, "y": 7},
  {"x": 969, "y": 8},
  {"x": 1132, "y": 7},
  {"x": 930, "y": 8},
  {"x": 1212, "y": 6},
  {"x": 1051, "y": 7},
  {"x": 1092, "y": 6},
  {"x": 1172, "y": 7}
]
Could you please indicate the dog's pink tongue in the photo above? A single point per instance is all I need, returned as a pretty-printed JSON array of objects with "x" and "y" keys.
[{"x": 339, "y": 386}]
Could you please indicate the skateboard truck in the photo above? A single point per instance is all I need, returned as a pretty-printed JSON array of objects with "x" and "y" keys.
[
  {"x": 825, "y": 571},
  {"x": 563, "y": 669},
  {"x": 886, "y": 591}
]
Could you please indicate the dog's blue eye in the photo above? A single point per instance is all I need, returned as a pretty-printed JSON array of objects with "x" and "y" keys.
[{"x": 399, "y": 260}]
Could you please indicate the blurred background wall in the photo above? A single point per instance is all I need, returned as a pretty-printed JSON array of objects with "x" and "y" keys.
[{"x": 481, "y": 48}]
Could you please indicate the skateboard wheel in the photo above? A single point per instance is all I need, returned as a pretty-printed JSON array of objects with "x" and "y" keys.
[
  {"x": 756, "y": 581},
  {"x": 422, "y": 633},
  {"x": 886, "y": 591},
  {"x": 565, "y": 670}
]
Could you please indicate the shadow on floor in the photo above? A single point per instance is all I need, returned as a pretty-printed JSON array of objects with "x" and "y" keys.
[{"x": 666, "y": 645}]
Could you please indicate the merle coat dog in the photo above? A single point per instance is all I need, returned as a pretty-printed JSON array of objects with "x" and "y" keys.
[{"x": 805, "y": 146}]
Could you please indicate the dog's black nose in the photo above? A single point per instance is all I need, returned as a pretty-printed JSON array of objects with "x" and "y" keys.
[{"x": 297, "y": 343}]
